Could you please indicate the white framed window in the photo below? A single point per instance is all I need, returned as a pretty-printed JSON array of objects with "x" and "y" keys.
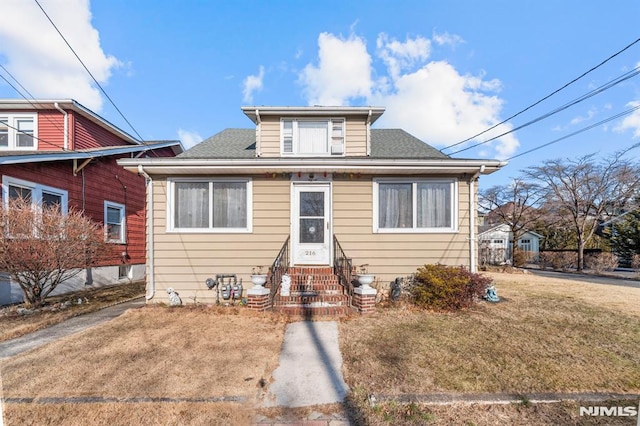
[
  {"x": 115, "y": 222},
  {"x": 39, "y": 195},
  {"x": 312, "y": 136},
  {"x": 424, "y": 205},
  {"x": 209, "y": 205},
  {"x": 18, "y": 132}
]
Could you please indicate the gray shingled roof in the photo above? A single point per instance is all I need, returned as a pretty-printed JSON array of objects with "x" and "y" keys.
[
  {"x": 241, "y": 143},
  {"x": 229, "y": 143}
]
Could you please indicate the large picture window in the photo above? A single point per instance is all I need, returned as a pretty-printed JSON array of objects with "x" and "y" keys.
[
  {"x": 312, "y": 137},
  {"x": 18, "y": 132},
  {"x": 415, "y": 206},
  {"x": 210, "y": 205}
]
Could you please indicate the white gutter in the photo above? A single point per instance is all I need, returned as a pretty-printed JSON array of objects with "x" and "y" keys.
[
  {"x": 259, "y": 138},
  {"x": 472, "y": 219},
  {"x": 66, "y": 125},
  {"x": 369, "y": 133},
  {"x": 151, "y": 291}
]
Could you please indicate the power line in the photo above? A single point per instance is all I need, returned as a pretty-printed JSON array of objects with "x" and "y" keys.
[
  {"x": 584, "y": 129},
  {"x": 546, "y": 97},
  {"x": 89, "y": 72},
  {"x": 576, "y": 101},
  {"x": 56, "y": 125}
]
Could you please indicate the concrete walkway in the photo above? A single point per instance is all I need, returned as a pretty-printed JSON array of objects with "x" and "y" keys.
[
  {"x": 73, "y": 325},
  {"x": 310, "y": 370}
]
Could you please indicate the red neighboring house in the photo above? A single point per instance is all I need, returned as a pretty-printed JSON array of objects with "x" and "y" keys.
[{"x": 58, "y": 151}]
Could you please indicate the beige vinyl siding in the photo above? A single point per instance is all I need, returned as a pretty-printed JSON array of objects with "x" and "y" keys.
[
  {"x": 355, "y": 136},
  {"x": 392, "y": 255},
  {"x": 184, "y": 261},
  {"x": 270, "y": 137}
]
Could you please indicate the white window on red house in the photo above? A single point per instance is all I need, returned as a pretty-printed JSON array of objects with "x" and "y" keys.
[
  {"x": 37, "y": 194},
  {"x": 18, "y": 132},
  {"x": 114, "y": 222}
]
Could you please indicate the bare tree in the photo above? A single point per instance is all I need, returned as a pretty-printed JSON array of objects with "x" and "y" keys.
[
  {"x": 43, "y": 247},
  {"x": 585, "y": 191},
  {"x": 515, "y": 205}
]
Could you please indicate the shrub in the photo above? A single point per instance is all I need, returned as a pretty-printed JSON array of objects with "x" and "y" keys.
[
  {"x": 600, "y": 262},
  {"x": 448, "y": 288},
  {"x": 520, "y": 258},
  {"x": 559, "y": 260}
]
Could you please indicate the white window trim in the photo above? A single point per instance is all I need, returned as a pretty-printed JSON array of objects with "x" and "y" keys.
[
  {"x": 13, "y": 132},
  {"x": 414, "y": 182},
  {"x": 171, "y": 198},
  {"x": 295, "y": 142},
  {"x": 123, "y": 222},
  {"x": 36, "y": 192}
]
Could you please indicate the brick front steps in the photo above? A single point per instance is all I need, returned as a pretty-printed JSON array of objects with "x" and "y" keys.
[{"x": 315, "y": 291}]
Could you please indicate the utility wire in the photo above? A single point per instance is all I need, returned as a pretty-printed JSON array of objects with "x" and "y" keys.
[
  {"x": 576, "y": 101},
  {"x": 56, "y": 125},
  {"x": 584, "y": 129},
  {"x": 89, "y": 72},
  {"x": 544, "y": 98}
]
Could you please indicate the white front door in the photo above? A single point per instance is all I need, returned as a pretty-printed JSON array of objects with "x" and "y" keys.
[{"x": 311, "y": 224}]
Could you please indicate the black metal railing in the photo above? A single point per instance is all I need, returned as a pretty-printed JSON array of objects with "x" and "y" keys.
[
  {"x": 343, "y": 268},
  {"x": 279, "y": 267}
]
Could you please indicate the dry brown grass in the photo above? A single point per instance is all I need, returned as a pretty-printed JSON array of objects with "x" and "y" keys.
[
  {"x": 181, "y": 353},
  {"x": 520, "y": 414},
  {"x": 545, "y": 336},
  {"x": 616, "y": 298},
  {"x": 125, "y": 414},
  {"x": 13, "y": 325}
]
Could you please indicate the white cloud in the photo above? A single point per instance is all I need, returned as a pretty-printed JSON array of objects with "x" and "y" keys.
[
  {"x": 632, "y": 121},
  {"x": 252, "y": 84},
  {"x": 399, "y": 56},
  {"x": 189, "y": 139},
  {"x": 579, "y": 119},
  {"x": 42, "y": 62},
  {"x": 343, "y": 72},
  {"x": 429, "y": 99},
  {"x": 446, "y": 39}
]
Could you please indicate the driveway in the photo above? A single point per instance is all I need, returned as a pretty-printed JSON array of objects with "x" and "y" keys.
[{"x": 623, "y": 280}]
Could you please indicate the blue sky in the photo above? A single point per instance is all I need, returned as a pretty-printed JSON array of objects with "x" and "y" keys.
[{"x": 444, "y": 70}]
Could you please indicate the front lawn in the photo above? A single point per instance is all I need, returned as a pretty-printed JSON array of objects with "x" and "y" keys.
[{"x": 544, "y": 336}]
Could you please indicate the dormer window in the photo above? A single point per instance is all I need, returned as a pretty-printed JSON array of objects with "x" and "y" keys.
[
  {"x": 312, "y": 137},
  {"x": 17, "y": 131}
]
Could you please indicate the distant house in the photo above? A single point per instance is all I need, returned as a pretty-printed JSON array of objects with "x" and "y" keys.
[
  {"x": 304, "y": 190},
  {"x": 59, "y": 152},
  {"x": 496, "y": 244}
]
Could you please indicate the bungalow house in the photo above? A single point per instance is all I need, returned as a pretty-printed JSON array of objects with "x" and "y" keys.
[
  {"x": 58, "y": 151},
  {"x": 496, "y": 244},
  {"x": 311, "y": 191}
]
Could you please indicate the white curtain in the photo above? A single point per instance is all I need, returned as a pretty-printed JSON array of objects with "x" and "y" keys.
[
  {"x": 229, "y": 205},
  {"x": 434, "y": 205},
  {"x": 312, "y": 137},
  {"x": 395, "y": 205},
  {"x": 191, "y": 204}
]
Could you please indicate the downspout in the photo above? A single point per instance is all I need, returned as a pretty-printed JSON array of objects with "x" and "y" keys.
[
  {"x": 259, "y": 138},
  {"x": 151, "y": 291},
  {"x": 369, "y": 133},
  {"x": 472, "y": 221},
  {"x": 66, "y": 126}
]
